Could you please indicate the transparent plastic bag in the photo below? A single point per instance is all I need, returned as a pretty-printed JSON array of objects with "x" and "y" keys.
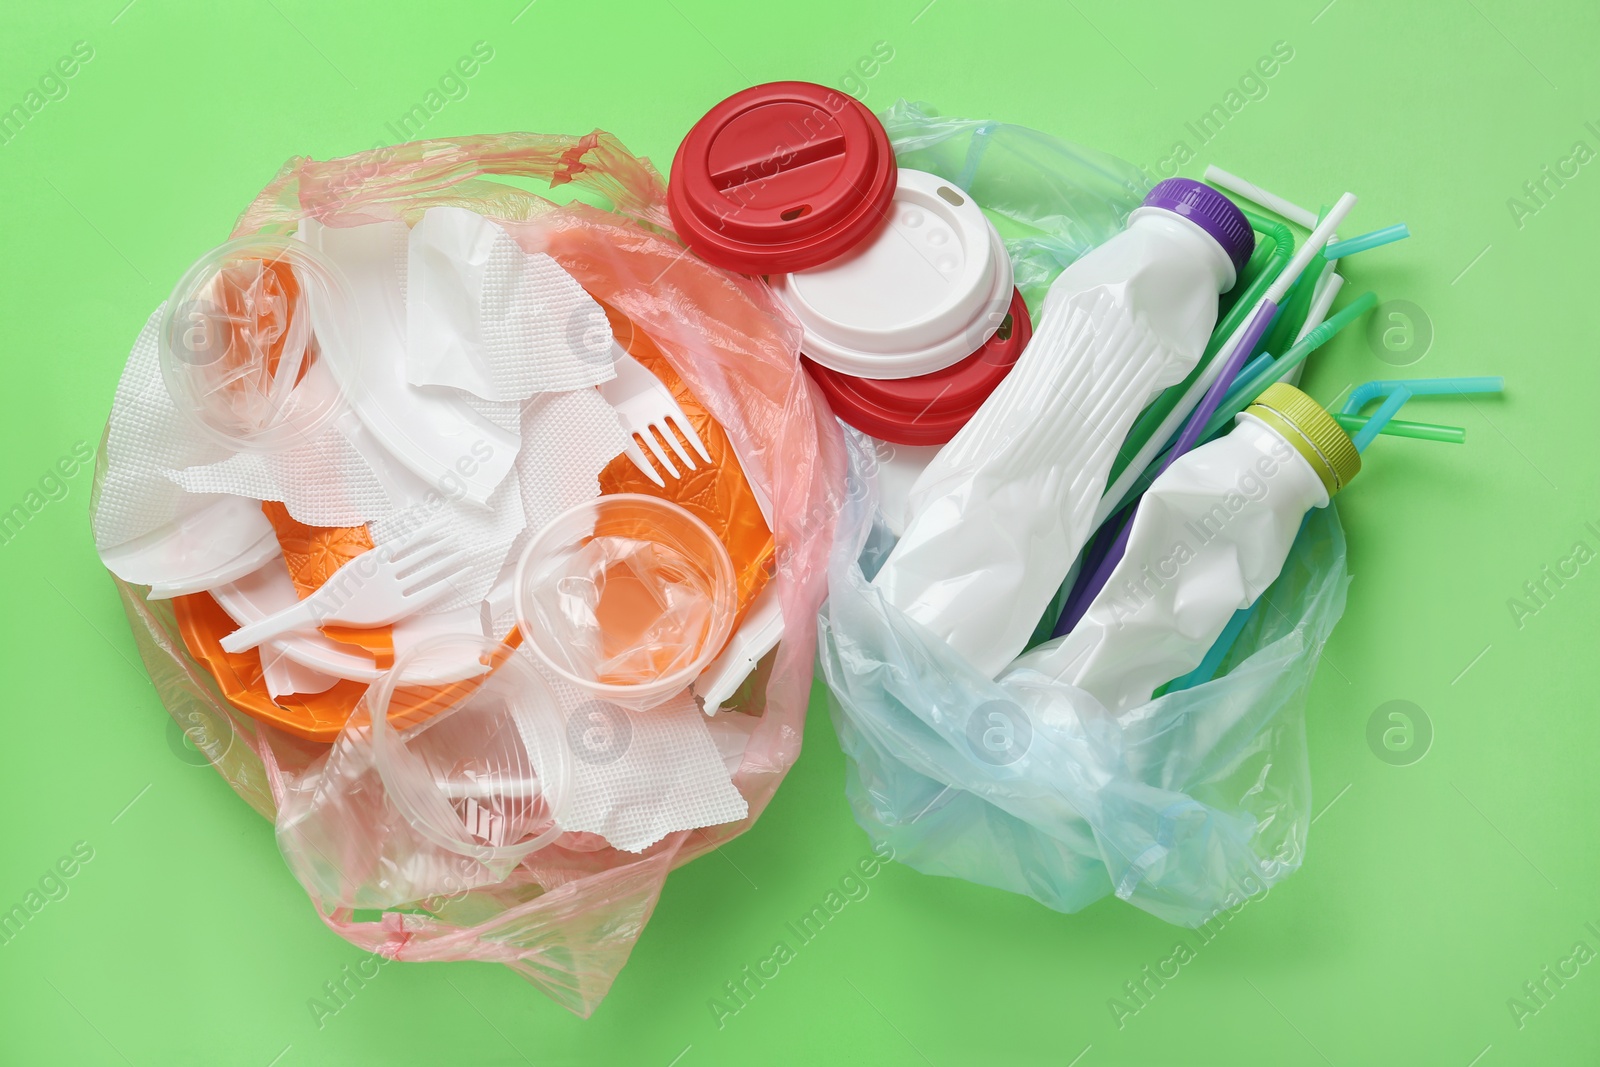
[
  {"x": 1186, "y": 805},
  {"x": 565, "y": 916}
]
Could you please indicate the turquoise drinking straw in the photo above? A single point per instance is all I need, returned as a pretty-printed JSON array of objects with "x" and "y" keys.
[
  {"x": 1389, "y": 234},
  {"x": 1380, "y": 418},
  {"x": 1366, "y": 392}
]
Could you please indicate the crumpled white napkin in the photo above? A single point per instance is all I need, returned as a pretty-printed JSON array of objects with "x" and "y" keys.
[{"x": 488, "y": 318}]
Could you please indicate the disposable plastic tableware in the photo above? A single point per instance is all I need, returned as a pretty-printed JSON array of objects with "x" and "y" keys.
[
  {"x": 758, "y": 632},
  {"x": 434, "y": 433},
  {"x": 220, "y": 542},
  {"x": 374, "y": 589},
  {"x": 762, "y": 626},
  {"x": 504, "y": 736},
  {"x": 433, "y": 792},
  {"x": 647, "y": 411}
]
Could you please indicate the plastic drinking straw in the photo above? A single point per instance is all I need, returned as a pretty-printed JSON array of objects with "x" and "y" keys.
[
  {"x": 1297, "y": 308},
  {"x": 1389, "y": 234},
  {"x": 1420, "y": 431},
  {"x": 1250, "y": 191},
  {"x": 1328, "y": 286},
  {"x": 1366, "y": 392},
  {"x": 1380, "y": 418}
]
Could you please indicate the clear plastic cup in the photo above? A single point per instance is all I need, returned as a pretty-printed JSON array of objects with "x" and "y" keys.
[
  {"x": 239, "y": 350},
  {"x": 479, "y": 765},
  {"x": 627, "y": 597}
]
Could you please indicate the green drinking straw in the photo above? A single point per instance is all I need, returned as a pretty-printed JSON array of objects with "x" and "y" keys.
[{"x": 1418, "y": 431}]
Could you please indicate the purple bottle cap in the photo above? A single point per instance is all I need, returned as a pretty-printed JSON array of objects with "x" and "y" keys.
[{"x": 1211, "y": 211}]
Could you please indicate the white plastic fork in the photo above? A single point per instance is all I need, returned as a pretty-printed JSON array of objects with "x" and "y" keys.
[
  {"x": 648, "y": 413},
  {"x": 378, "y": 587}
]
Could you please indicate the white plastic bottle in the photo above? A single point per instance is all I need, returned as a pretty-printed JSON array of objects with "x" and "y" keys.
[
  {"x": 1210, "y": 535},
  {"x": 999, "y": 515}
]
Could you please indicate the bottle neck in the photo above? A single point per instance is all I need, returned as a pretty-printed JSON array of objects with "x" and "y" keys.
[
  {"x": 1280, "y": 461},
  {"x": 1192, "y": 238}
]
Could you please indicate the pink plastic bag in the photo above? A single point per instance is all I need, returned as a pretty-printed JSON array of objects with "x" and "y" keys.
[{"x": 567, "y": 915}]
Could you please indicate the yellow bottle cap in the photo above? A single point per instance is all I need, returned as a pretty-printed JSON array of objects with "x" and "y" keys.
[{"x": 1311, "y": 431}]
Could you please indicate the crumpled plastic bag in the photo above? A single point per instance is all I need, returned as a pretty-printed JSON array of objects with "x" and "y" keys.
[
  {"x": 1192, "y": 802},
  {"x": 567, "y": 916}
]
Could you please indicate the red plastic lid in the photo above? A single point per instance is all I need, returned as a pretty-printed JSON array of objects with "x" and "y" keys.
[
  {"x": 781, "y": 177},
  {"x": 929, "y": 409}
]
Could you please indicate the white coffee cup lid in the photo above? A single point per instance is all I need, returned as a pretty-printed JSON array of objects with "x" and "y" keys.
[{"x": 926, "y": 291}]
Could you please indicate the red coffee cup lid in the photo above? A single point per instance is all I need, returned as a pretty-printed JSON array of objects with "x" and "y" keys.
[
  {"x": 781, "y": 177},
  {"x": 930, "y": 408}
]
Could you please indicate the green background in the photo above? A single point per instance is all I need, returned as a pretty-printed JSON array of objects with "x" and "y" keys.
[{"x": 1434, "y": 888}]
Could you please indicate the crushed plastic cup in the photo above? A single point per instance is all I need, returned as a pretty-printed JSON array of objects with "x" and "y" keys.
[
  {"x": 238, "y": 351},
  {"x": 627, "y": 596},
  {"x": 488, "y": 776}
]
